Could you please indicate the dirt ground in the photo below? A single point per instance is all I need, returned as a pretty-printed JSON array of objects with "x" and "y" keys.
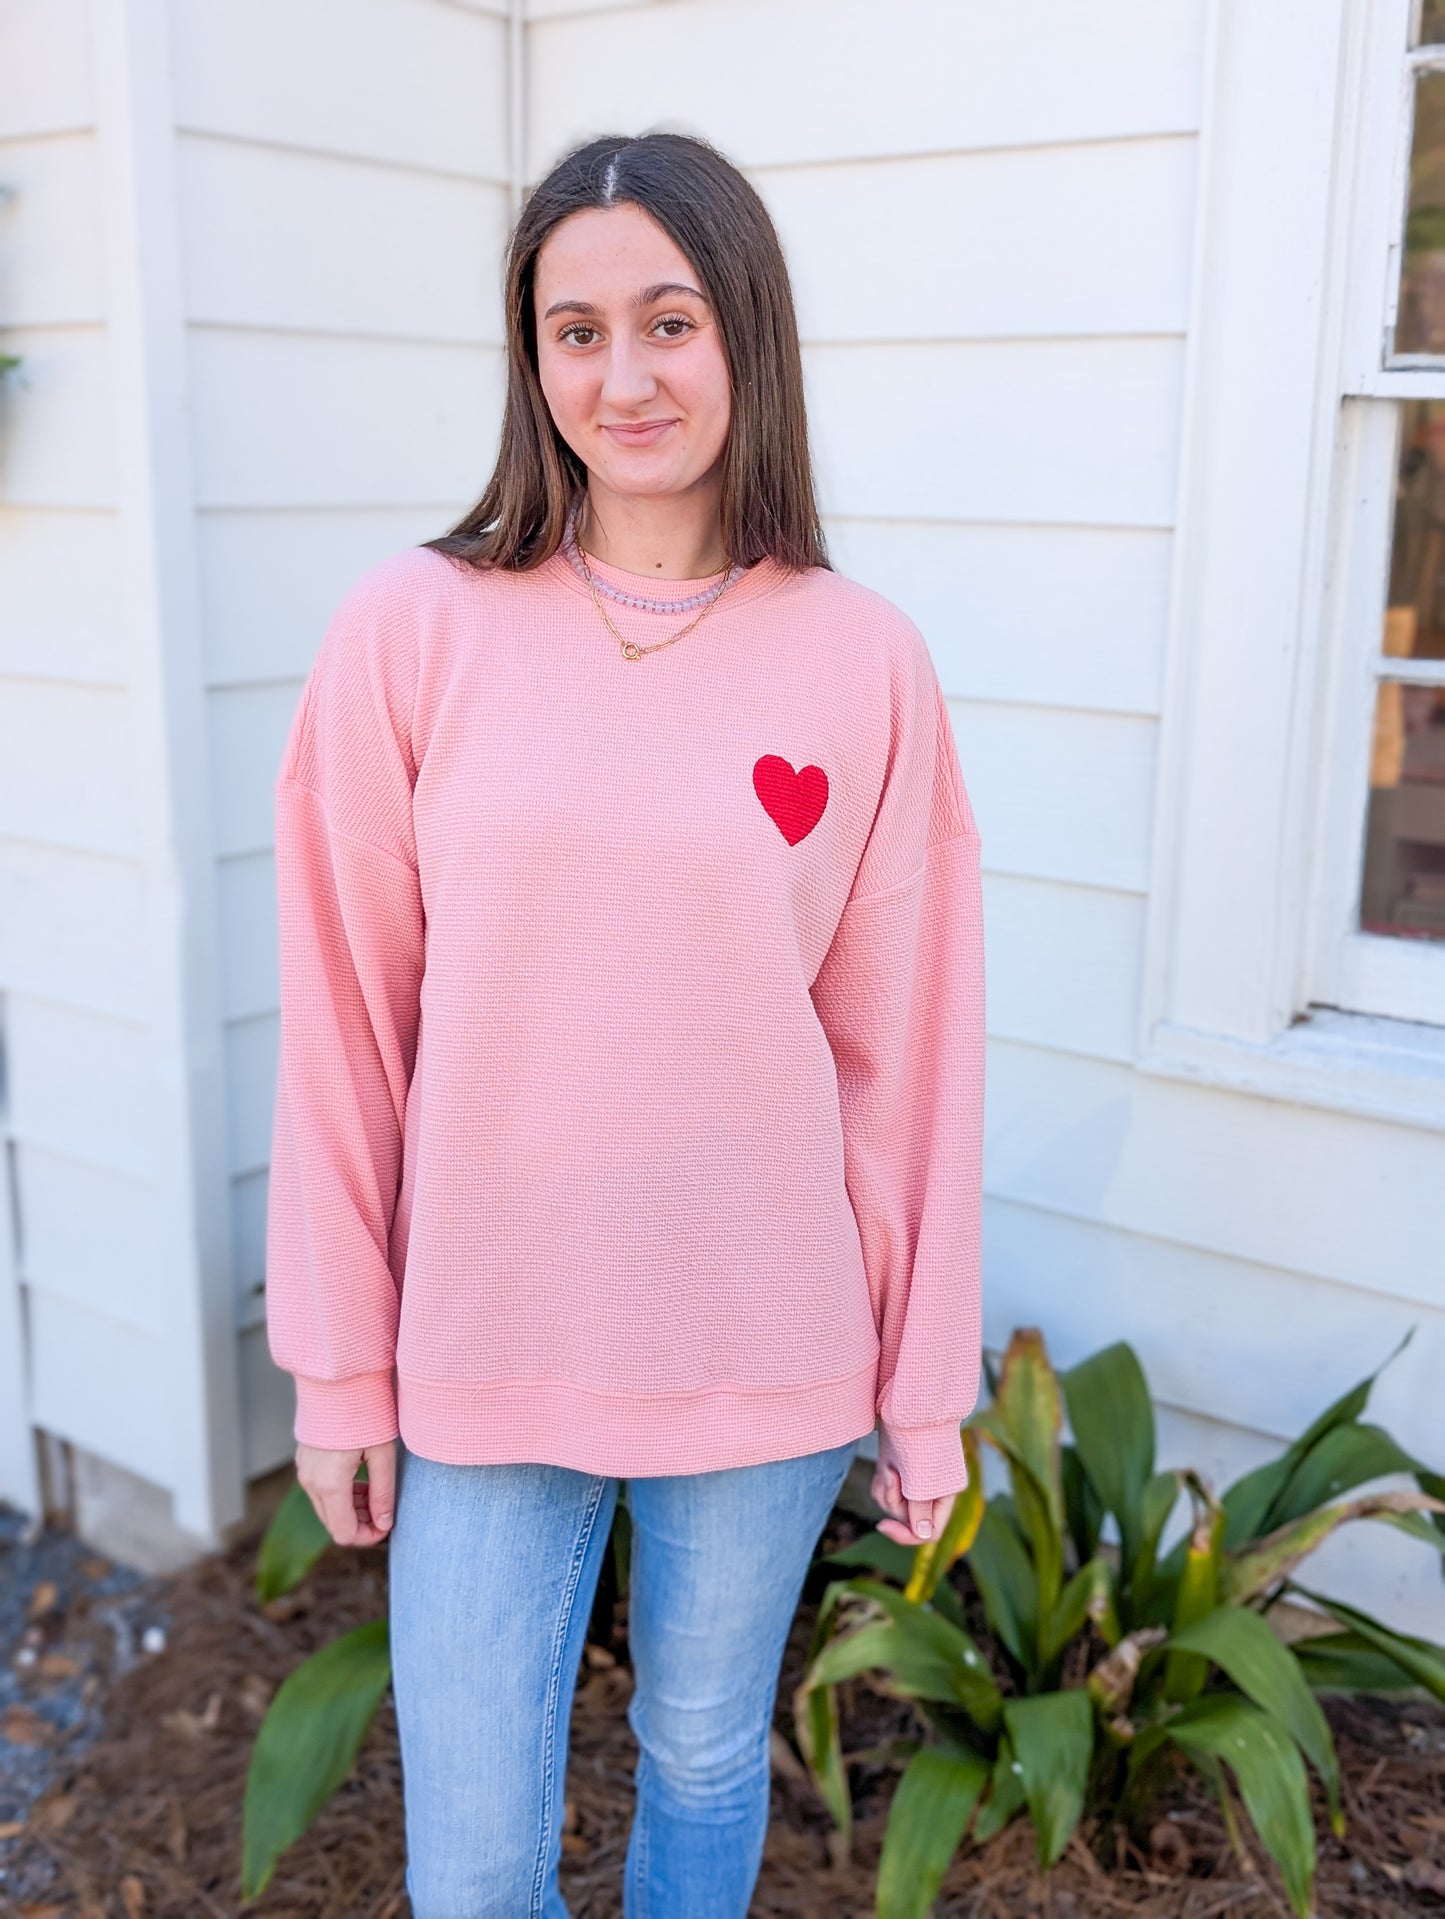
[{"x": 138, "y": 1812}]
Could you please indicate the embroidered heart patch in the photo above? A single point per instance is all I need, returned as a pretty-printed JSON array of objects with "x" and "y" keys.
[{"x": 793, "y": 801}]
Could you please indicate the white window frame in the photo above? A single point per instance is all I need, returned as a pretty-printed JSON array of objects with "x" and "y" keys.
[
  {"x": 1354, "y": 969},
  {"x": 1255, "y": 975}
]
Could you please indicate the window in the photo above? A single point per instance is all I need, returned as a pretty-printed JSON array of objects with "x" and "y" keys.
[
  {"x": 1295, "y": 918},
  {"x": 1380, "y": 937}
]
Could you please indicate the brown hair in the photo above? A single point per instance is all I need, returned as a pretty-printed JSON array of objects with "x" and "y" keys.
[{"x": 720, "y": 223}]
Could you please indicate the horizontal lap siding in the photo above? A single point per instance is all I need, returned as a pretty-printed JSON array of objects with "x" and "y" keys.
[
  {"x": 48, "y": 44},
  {"x": 343, "y": 216},
  {"x": 73, "y": 942},
  {"x": 988, "y": 217},
  {"x": 410, "y": 83},
  {"x": 788, "y": 82}
]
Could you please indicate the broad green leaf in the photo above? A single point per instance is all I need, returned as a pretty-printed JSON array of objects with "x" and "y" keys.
[
  {"x": 1052, "y": 1736},
  {"x": 1112, "y": 1418},
  {"x": 1250, "y": 1503},
  {"x": 1257, "y": 1567},
  {"x": 1249, "y": 1499},
  {"x": 1161, "y": 1495},
  {"x": 924, "y": 1655},
  {"x": 932, "y": 1561},
  {"x": 1004, "y": 1575},
  {"x": 1348, "y": 1406},
  {"x": 930, "y": 1808},
  {"x": 1242, "y": 1645},
  {"x": 1083, "y": 1507},
  {"x": 1089, "y": 1595},
  {"x": 290, "y": 1546},
  {"x": 884, "y": 1555},
  {"x": 1266, "y": 1763},
  {"x": 975, "y": 1689},
  {"x": 1005, "y": 1794},
  {"x": 1347, "y": 1456},
  {"x": 1424, "y": 1661},
  {"x": 307, "y": 1744},
  {"x": 1024, "y": 1421},
  {"x": 1044, "y": 1538},
  {"x": 815, "y": 1720},
  {"x": 1347, "y": 1662},
  {"x": 1198, "y": 1591}
]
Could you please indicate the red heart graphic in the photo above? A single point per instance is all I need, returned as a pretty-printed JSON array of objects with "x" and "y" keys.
[{"x": 793, "y": 801}]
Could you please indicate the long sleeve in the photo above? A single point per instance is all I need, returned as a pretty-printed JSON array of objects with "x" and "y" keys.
[
  {"x": 352, "y": 946},
  {"x": 900, "y": 995}
]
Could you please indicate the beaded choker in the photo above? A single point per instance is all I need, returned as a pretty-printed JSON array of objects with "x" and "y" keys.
[{"x": 649, "y": 605}]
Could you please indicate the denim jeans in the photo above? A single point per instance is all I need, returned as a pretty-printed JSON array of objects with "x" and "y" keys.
[{"x": 493, "y": 1570}]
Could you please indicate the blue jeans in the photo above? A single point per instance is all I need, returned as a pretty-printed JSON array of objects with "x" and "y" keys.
[{"x": 493, "y": 1570}]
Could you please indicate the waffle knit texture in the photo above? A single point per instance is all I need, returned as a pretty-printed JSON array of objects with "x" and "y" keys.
[{"x": 629, "y": 1106}]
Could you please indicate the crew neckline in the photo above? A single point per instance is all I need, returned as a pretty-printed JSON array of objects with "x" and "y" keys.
[{"x": 751, "y": 584}]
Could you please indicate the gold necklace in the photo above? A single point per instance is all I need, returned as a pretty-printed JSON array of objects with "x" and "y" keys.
[{"x": 630, "y": 649}]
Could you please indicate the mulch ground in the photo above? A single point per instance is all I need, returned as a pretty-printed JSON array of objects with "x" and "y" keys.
[{"x": 140, "y": 1818}]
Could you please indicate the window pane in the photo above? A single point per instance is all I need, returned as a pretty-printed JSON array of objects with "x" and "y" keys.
[
  {"x": 1403, "y": 891},
  {"x": 1432, "y": 24},
  {"x": 1420, "y": 322},
  {"x": 1415, "y": 613},
  {"x": 1404, "y": 884}
]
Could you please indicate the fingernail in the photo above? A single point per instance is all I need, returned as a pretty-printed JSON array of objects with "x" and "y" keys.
[{"x": 924, "y": 1529}]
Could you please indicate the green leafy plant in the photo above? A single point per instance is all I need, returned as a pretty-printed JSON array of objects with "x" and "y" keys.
[{"x": 1106, "y": 1658}]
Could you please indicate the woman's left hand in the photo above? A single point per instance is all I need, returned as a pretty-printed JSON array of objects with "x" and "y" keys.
[{"x": 912, "y": 1522}]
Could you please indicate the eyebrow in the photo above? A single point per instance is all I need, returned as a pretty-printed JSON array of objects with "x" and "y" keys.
[{"x": 644, "y": 298}]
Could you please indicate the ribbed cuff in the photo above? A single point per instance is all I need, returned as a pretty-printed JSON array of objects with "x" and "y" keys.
[
  {"x": 344, "y": 1415},
  {"x": 929, "y": 1458}
]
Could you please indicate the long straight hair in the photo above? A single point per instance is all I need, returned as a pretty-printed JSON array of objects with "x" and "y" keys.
[{"x": 720, "y": 223}]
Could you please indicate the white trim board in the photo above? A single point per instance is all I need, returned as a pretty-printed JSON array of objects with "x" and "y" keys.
[
  {"x": 1233, "y": 886},
  {"x": 158, "y": 600}
]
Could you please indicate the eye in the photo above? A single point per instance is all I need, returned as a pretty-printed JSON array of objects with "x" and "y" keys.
[
  {"x": 577, "y": 326},
  {"x": 677, "y": 320}
]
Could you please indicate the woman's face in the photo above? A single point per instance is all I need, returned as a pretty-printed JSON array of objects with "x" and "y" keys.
[{"x": 626, "y": 340}]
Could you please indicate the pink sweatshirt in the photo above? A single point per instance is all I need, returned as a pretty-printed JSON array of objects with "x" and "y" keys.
[{"x": 629, "y": 1106}]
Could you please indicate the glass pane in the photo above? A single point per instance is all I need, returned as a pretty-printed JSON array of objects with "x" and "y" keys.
[
  {"x": 1415, "y": 613},
  {"x": 1404, "y": 883},
  {"x": 1403, "y": 891},
  {"x": 1432, "y": 24},
  {"x": 1420, "y": 322}
]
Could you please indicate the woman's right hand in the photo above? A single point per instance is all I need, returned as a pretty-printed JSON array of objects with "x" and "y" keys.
[{"x": 356, "y": 1512}]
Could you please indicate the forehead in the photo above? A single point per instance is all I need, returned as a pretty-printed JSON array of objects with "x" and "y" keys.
[{"x": 599, "y": 252}]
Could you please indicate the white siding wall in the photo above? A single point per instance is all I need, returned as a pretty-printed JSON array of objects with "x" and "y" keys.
[
  {"x": 988, "y": 214},
  {"x": 251, "y": 264},
  {"x": 342, "y": 213},
  {"x": 72, "y": 915}
]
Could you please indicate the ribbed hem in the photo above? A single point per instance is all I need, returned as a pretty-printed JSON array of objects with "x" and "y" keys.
[
  {"x": 929, "y": 1458},
  {"x": 625, "y": 1435},
  {"x": 345, "y": 1414}
]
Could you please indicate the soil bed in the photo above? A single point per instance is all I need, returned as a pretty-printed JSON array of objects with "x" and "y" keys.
[{"x": 140, "y": 1818}]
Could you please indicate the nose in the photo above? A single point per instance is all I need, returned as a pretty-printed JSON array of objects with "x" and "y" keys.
[{"x": 628, "y": 381}]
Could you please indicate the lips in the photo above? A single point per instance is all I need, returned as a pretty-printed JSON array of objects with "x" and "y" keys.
[{"x": 641, "y": 434}]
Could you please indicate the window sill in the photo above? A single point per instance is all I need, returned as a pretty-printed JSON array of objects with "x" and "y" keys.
[{"x": 1388, "y": 1069}]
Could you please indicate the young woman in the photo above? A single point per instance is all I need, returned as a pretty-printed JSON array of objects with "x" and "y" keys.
[{"x": 629, "y": 1108}]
